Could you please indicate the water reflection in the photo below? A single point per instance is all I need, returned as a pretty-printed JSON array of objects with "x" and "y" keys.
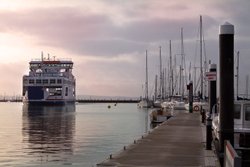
[
  {"x": 49, "y": 132},
  {"x": 148, "y": 124}
]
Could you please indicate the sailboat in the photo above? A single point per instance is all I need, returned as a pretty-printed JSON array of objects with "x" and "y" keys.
[
  {"x": 168, "y": 104},
  {"x": 158, "y": 98},
  {"x": 179, "y": 104},
  {"x": 202, "y": 92},
  {"x": 145, "y": 102}
]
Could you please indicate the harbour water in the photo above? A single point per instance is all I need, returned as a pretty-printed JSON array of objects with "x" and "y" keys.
[{"x": 74, "y": 135}]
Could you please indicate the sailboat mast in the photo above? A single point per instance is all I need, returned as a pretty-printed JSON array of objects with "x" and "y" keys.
[
  {"x": 195, "y": 82},
  {"x": 201, "y": 70},
  {"x": 156, "y": 87},
  {"x": 189, "y": 72},
  {"x": 161, "y": 86},
  {"x": 180, "y": 81},
  {"x": 171, "y": 70},
  {"x": 175, "y": 76},
  {"x": 146, "y": 83},
  {"x": 182, "y": 65}
]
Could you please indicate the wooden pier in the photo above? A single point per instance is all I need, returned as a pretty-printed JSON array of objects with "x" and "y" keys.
[{"x": 180, "y": 141}]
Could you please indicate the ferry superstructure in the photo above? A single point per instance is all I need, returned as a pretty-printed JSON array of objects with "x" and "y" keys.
[{"x": 50, "y": 81}]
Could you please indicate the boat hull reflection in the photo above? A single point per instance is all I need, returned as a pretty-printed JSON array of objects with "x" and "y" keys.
[{"x": 49, "y": 131}]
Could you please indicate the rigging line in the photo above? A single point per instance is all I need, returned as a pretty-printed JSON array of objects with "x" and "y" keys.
[
  {"x": 205, "y": 63},
  {"x": 185, "y": 70},
  {"x": 205, "y": 55},
  {"x": 175, "y": 84},
  {"x": 197, "y": 85},
  {"x": 196, "y": 46},
  {"x": 175, "y": 74}
]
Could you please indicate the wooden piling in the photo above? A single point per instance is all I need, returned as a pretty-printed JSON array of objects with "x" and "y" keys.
[{"x": 226, "y": 52}]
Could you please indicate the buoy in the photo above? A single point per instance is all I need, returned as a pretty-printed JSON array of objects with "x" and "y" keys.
[
  {"x": 196, "y": 108},
  {"x": 109, "y": 106}
]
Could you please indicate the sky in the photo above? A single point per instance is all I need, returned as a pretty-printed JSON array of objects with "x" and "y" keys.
[{"x": 107, "y": 39}]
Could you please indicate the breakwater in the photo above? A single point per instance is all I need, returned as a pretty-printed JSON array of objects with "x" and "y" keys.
[{"x": 82, "y": 100}]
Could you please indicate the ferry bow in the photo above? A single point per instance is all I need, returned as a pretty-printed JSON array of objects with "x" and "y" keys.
[{"x": 50, "y": 81}]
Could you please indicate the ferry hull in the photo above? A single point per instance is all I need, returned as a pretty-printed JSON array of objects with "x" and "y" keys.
[{"x": 49, "y": 102}]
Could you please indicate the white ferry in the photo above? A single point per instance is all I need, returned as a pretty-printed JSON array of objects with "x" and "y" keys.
[{"x": 50, "y": 81}]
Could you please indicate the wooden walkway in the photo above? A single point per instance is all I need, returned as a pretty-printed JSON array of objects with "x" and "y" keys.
[{"x": 178, "y": 142}]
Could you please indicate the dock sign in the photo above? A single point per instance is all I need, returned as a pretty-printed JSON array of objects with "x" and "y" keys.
[{"x": 211, "y": 76}]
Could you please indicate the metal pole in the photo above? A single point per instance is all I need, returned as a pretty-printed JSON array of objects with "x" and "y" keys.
[
  {"x": 237, "y": 75},
  {"x": 201, "y": 70},
  {"x": 146, "y": 84},
  {"x": 226, "y": 50}
]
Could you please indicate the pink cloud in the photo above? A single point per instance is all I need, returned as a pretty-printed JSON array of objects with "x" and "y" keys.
[{"x": 53, "y": 22}]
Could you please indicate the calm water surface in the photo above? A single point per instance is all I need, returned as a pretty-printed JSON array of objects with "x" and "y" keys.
[{"x": 74, "y": 135}]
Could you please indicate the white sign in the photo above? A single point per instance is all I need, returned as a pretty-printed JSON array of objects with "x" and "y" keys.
[{"x": 211, "y": 76}]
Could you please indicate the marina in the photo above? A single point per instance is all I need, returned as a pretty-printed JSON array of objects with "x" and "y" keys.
[{"x": 124, "y": 83}]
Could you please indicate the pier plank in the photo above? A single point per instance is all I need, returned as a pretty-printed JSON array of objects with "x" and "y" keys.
[{"x": 177, "y": 142}]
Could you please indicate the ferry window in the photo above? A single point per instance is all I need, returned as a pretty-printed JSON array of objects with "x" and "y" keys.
[
  {"x": 39, "y": 70},
  {"x": 237, "y": 111},
  {"x": 62, "y": 70},
  {"x": 58, "y": 91},
  {"x": 66, "y": 91},
  {"x": 247, "y": 112},
  {"x": 31, "y": 81},
  {"x": 38, "y": 81},
  {"x": 45, "y": 81},
  {"x": 59, "y": 81},
  {"x": 52, "y": 81}
]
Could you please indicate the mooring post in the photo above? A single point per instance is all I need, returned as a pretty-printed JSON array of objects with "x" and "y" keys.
[
  {"x": 203, "y": 114},
  {"x": 209, "y": 133},
  {"x": 190, "y": 97},
  {"x": 226, "y": 86},
  {"x": 212, "y": 102}
]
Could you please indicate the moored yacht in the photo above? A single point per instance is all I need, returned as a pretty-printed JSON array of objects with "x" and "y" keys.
[
  {"x": 146, "y": 102},
  {"x": 50, "y": 81},
  {"x": 241, "y": 124}
]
